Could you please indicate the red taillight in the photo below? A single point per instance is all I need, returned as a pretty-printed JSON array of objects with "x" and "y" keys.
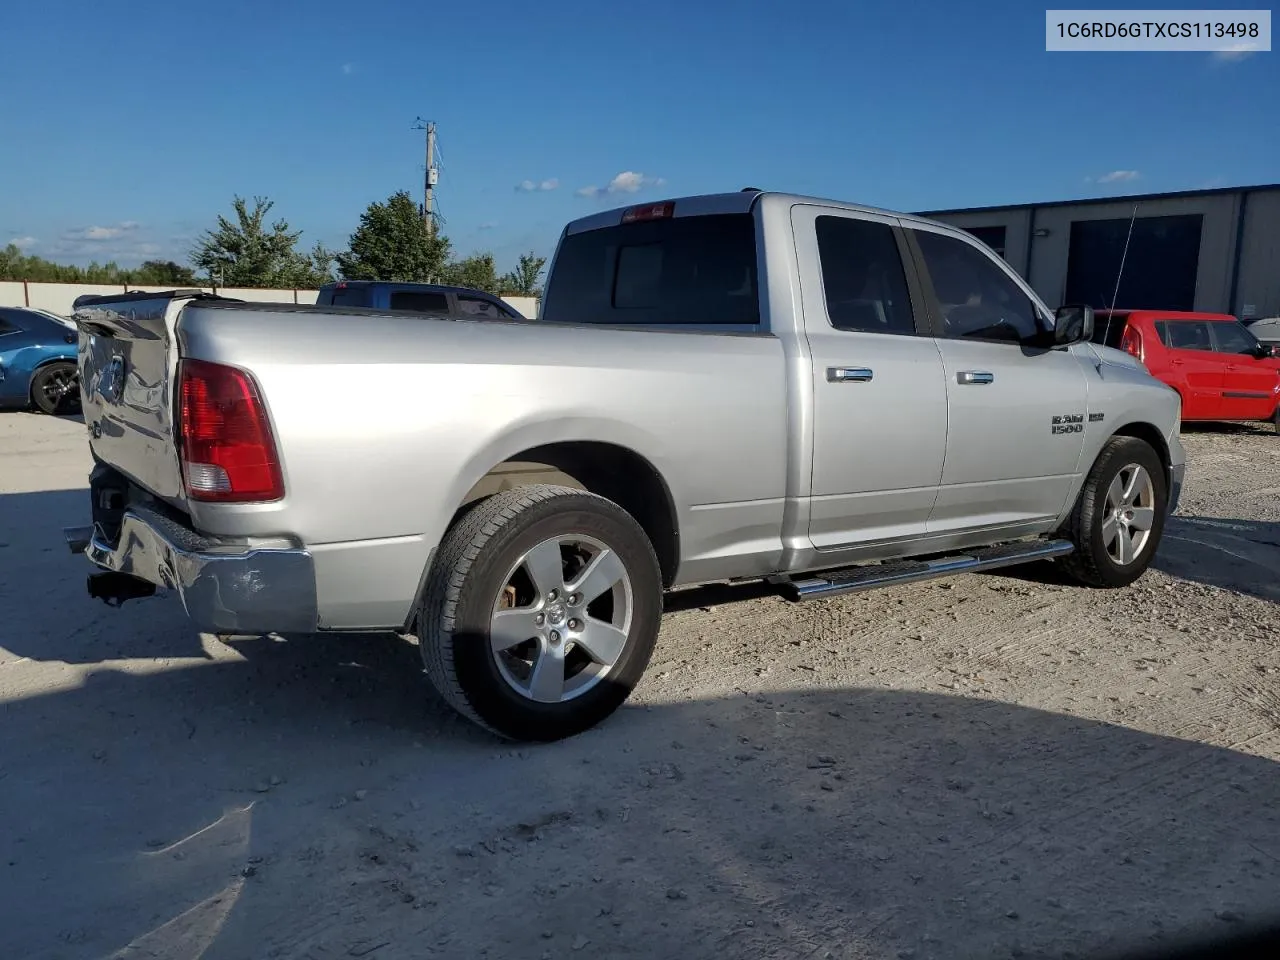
[
  {"x": 228, "y": 453},
  {"x": 1131, "y": 342},
  {"x": 649, "y": 211}
]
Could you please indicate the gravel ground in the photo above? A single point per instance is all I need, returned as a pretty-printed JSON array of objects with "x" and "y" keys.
[{"x": 992, "y": 766}]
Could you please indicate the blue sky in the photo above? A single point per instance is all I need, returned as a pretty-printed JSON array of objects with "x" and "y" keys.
[{"x": 130, "y": 125}]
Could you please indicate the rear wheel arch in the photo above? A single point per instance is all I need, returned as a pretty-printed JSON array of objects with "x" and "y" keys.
[{"x": 613, "y": 471}]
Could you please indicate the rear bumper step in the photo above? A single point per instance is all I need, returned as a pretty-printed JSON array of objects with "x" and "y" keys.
[
  {"x": 225, "y": 588},
  {"x": 870, "y": 576}
]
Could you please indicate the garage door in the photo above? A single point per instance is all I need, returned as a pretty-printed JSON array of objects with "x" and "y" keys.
[{"x": 1159, "y": 268}]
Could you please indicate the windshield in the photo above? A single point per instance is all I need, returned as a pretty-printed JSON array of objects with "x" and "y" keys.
[{"x": 1234, "y": 337}]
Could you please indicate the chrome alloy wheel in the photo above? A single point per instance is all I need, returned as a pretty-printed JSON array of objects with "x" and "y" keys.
[
  {"x": 1129, "y": 514},
  {"x": 562, "y": 618}
]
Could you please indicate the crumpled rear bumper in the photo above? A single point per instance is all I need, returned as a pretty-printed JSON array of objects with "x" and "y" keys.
[{"x": 225, "y": 588}]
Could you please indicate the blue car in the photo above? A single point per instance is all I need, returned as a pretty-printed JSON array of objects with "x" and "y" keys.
[{"x": 38, "y": 361}]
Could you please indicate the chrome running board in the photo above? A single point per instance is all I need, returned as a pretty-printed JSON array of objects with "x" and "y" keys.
[{"x": 872, "y": 575}]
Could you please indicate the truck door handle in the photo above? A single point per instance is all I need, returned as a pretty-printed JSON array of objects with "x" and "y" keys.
[
  {"x": 849, "y": 374},
  {"x": 975, "y": 377}
]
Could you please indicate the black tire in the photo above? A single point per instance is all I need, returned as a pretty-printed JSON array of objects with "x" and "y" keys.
[
  {"x": 469, "y": 574},
  {"x": 45, "y": 394},
  {"x": 1092, "y": 563},
  {"x": 1275, "y": 419}
]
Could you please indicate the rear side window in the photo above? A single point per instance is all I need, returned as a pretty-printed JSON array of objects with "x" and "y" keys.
[
  {"x": 6, "y": 326},
  {"x": 475, "y": 307},
  {"x": 862, "y": 276},
  {"x": 1162, "y": 330},
  {"x": 1189, "y": 335},
  {"x": 683, "y": 270},
  {"x": 350, "y": 297},
  {"x": 418, "y": 300}
]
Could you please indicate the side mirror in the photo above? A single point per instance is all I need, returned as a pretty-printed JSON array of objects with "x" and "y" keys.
[{"x": 1072, "y": 324}]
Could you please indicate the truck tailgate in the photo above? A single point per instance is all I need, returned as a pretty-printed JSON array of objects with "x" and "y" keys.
[{"x": 128, "y": 360}]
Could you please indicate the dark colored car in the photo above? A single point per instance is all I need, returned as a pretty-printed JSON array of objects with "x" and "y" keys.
[
  {"x": 38, "y": 361},
  {"x": 455, "y": 303}
]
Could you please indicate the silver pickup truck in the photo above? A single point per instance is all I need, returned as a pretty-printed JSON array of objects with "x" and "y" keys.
[{"x": 743, "y": 386}]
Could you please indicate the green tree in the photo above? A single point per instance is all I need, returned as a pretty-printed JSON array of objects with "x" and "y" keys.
[
  {"x": 15, "y": 265},
  {"x": 393, "y": 242},
  {"x": 523, "y": 280},
  {"x": 163, "y": 273},
  {"x": 249, "y": 253},
  {"x": 476, "y": 271}
]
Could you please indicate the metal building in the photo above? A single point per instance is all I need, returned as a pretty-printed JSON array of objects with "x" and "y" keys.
[{"x": 1214, "y": 250}]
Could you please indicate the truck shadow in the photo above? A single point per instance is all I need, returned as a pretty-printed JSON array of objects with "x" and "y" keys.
[
  {"x": 1238, "y": 555},
  {"x": 48, "y": 615},
  {"x": 1235, "y": 554},
  {"x": 312, "y": 801}
]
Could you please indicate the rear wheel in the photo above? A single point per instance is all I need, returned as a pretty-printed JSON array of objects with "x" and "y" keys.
[
  {"x": 1119, "y": 518},
  {"x": 55, "y": 388},
  {"x": 541, "y": 612}
]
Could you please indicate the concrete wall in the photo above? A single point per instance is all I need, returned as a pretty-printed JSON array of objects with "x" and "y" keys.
[
  {"x": 527, "y": 306},
  {"x": 1258, "y": 293},
  {"x": 58, "y": 297},
  {"x": 1043, "y": 260}
]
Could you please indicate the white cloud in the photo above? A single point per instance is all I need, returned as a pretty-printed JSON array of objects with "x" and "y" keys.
[
  {"x": 1119, "y": 176},
  {"x": 626, "y": 182},
  {"x": 1236, "y": 53},
  {"x": 102, "y": 233},
  {"x": 533, "y": 186},
  {"x": 24, "y": 242},
  {"x": 489, "y": 225},
  {"x": 348, "y": 69}
]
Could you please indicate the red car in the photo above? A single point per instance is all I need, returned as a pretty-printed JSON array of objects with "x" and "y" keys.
[{"x": 1221, "y": 370}]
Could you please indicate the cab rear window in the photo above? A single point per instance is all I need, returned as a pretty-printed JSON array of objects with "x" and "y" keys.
[{"x": 682, "y": 270}]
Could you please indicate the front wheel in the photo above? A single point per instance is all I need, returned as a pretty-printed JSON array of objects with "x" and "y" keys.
[
  {"x": 540, "y": 612},
  {"x": 1119, "y": 518}
]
